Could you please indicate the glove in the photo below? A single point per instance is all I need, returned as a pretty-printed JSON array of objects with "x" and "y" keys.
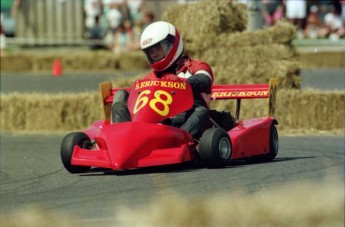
[{"x": 200, "y": 83}]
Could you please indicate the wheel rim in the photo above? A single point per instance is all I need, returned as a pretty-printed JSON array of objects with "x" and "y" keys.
[{"x": 224, "y": 148}]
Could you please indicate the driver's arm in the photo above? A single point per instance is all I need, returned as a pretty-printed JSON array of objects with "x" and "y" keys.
[{"x": 200, "y": 83}]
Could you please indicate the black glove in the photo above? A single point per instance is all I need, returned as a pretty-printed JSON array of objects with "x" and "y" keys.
[{"x": 200, "y": 83}]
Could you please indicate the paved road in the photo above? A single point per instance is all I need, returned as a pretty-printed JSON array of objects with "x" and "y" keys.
[
  {"x": 321, "y": 79},
  {"x": 68, "y": 82},
  {"x": 32, "y": 173}
]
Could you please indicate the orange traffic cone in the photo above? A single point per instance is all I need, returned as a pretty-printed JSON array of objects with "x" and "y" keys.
[{"x": 57, "y": 69}]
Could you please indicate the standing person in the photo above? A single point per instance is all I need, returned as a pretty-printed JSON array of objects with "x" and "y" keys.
[
  {"x": 313, "y": 23},
  {"x": 92, "y": 9},
  {"x": 333, "y": 24},
  {"x": 2, "y": 39},
  {"x": 148, "y": 19},
  {"x": 135, "y": 8},
  {"x": 273, "y": 11},
  {"x": 122, "y": 38},
  {"x": 163, "y": 46},
  {"x": 114, "y": 16},
  {"x": 296, "y": 13}
]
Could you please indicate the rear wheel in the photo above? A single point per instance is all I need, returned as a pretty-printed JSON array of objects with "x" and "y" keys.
[
  {"x": 274, "y": 146},
  {"x": 67, "y": 147},
  {"x": 215, "y": 147}
]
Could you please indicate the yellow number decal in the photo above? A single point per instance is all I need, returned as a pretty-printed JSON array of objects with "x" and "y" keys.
[
  {"x": 165, "y": 102},
  {"x": 141, "y": 101}
]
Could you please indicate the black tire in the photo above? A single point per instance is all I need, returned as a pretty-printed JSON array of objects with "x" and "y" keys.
[
  {"x": 274, "y": 147},
  {"x": 67, "y": 146},
  {"x": 274, "y": 144},
  {"x": 215, "y": 148}
]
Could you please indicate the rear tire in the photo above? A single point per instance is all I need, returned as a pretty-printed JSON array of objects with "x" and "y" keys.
[
  {"x": 67, "y": 147},
  {"x": 215, "y": 147},
  {"x": 274, "y": 146}
]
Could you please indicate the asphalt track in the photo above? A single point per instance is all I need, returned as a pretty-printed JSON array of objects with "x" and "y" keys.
[
  {"x": 31, "y": 172},
  {"x": 319, "y": 79}
]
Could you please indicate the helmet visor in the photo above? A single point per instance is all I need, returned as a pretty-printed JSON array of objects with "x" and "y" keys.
[{"x": 158, "y": 51}]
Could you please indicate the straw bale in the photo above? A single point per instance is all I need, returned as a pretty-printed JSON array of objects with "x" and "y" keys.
[
  {"x": 132, "y": 60},
  {"x": 323, "y": 59},
  {"x": 232, "y": 52},
  {"x": 260, "y": 72},
  {"x": 295, "y": 110},
  {"x": 73, "y": 61},
  {"x": 200, "y": 23},
  {"x": 37, "y": 112},
  {"x": 281, "y": 33}
]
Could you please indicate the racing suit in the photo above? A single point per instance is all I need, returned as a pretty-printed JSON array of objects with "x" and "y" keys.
[{"x": 194, "y": 120}]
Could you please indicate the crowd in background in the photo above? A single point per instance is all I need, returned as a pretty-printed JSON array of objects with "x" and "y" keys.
[
  {"x": 118, "y": 23},
  {"x": 313, "y": 19}
]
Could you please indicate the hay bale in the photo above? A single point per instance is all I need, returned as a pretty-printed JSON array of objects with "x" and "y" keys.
[
  {"x": 132, "y": 60},
  {"x": 221, "y": 40},
  {"x": 322, "y": 59},
  {"x": 37, "y": 112},
  {"x": 296, "y": 110},
  {"x": 11, "y": 63},
  {"x": 200, "y": 23},
  {"x": 260, "y": 72},
  {"x": 307, "y": 111}
]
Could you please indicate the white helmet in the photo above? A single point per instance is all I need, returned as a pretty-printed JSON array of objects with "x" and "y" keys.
[{"x": 164, "y": 37}]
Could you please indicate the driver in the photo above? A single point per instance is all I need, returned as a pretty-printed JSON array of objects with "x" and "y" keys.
[{"x": 163, "y": 46}]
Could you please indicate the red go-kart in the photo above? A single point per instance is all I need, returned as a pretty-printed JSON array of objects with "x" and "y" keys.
[{"x": 146, "y": 141}]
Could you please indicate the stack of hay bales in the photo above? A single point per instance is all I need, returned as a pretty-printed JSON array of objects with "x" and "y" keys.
[
  {"x": 214, "y": 31},
  {"x": 75, "y": 60}
]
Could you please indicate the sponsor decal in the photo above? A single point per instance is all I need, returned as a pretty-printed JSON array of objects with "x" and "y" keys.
[
  {"x": 162, "y": 108},
  {"x": 240, "y": 94},
  {"x": 168, "y": 84},
  {"x": 147, "y": 41}
]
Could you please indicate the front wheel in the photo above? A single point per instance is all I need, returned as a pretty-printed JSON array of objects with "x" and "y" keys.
[
  {"x": 215, "y": 147},
  {"x": 67, "y": 147}
]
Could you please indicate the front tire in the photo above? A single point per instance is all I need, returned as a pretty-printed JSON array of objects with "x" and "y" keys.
[
  {"x": 67, "y": 147},
  {"x": 215, "y": 147}
]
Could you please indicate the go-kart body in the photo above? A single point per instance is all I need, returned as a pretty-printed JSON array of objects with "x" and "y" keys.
[{"x": 146, "y": 141}]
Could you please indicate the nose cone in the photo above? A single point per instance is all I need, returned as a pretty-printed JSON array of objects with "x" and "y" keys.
[{"x": 129, "y": 142}]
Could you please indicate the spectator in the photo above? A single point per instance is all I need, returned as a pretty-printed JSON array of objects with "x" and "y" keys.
[
  {"x": 2, "y": 39},
  {"x": 343, "y": 10},
  {"x": 333, "y": 24},
  {"x": 273, "y": 11},
  {"x": 114, "y": 16},
  {"x": 296, "y": 13},
  {"x": 96, "y": 34},
  {"x": 135, "y": 8},
  {"x": 92, "y": 9},
  {"x": 313, "y": 23},
  {"x": 137, "y": 30},
  {"x": 148, "y": 19},
  {"x": 122, "y": 38}
]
